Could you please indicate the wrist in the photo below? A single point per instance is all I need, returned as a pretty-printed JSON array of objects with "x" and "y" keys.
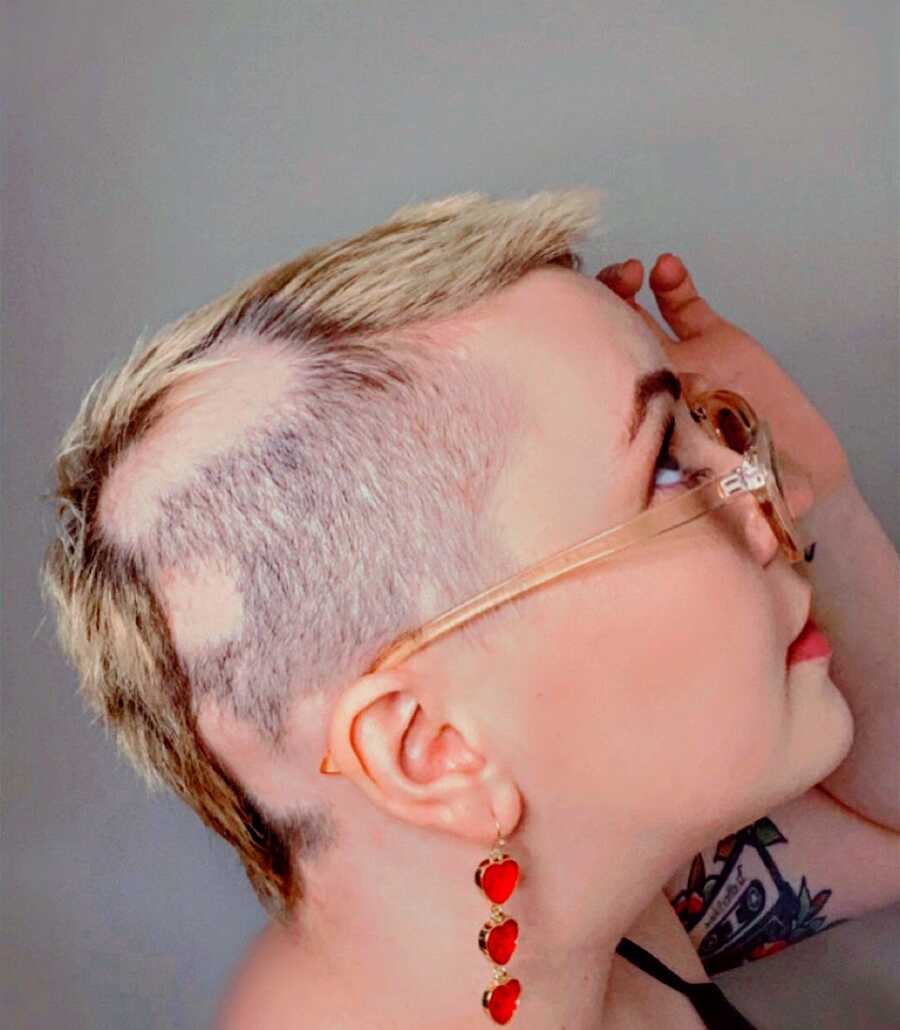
[
  {"x": 850, "y": 555},
  {"x": 831, "y": 514}
]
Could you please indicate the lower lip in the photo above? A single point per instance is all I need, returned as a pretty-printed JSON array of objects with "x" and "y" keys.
[{"x": 811, "y": 643}]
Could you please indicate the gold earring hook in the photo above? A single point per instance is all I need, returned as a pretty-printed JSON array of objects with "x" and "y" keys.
[{"x": 499, "y": 842}]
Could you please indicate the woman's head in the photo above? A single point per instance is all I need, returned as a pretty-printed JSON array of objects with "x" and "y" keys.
[
  {"x": 646, "y": 697},
  {"x": 282, "y": 482}
]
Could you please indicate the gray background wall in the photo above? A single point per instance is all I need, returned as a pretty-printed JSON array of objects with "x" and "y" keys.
[{"x": 155, "y": 153}]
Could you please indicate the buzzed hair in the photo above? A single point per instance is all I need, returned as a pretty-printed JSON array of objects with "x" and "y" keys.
[{"x": 327, "y": 517}]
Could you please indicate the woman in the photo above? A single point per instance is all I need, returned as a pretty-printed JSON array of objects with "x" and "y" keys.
[
  {"x": 600, "y": 729},
  {"x": 658, "y": 736}
]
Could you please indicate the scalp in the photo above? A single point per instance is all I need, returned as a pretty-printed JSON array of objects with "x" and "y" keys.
[{"x": 201, "y": 417}]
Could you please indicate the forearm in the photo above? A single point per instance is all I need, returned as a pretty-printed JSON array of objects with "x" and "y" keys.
[{"x": 856, "y": 580}]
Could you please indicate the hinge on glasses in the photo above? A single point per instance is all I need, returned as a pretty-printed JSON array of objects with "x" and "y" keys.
[{"x": 748, "y": 477}]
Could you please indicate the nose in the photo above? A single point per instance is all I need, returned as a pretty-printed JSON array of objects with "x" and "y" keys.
[
  {"x": 799, "y": 497},
  {"x": 758, "y": 534},
  {"x": 751, "y": 521}
]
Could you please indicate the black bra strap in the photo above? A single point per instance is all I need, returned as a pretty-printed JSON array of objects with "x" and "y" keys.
[
  {"x": 707, "y": 998},
  {"x": 650, "y": 964}
]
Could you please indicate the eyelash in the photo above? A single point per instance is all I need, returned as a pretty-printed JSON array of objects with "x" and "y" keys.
[{"x": 690, "y": 477}]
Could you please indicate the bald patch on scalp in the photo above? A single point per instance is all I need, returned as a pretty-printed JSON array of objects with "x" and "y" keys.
[
  {"x": 203, "y": 608},
  {"x": 202, "y": 416}
]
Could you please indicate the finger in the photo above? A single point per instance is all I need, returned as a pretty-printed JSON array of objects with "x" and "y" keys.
[
  {"x": 679, "y": 303},
  {"x": 624, "y": 278}
]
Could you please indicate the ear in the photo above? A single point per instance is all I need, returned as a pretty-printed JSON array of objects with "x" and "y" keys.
[{"x": 388, "y": 737}]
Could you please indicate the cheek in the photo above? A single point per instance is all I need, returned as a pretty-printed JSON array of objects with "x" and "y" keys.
[{"x": 683, "y": 701}]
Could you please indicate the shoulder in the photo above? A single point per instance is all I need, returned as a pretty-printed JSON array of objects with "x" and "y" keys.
[{"x": 269, "y": 987}]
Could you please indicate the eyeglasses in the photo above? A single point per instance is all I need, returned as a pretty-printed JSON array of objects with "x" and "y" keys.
[{"x": 728, "y": 418}]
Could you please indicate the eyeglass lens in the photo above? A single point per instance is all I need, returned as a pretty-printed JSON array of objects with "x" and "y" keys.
[{"x": 737, "y": 427}]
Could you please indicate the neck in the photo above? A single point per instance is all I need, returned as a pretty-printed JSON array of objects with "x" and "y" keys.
[{"x": 390, "y": 923}]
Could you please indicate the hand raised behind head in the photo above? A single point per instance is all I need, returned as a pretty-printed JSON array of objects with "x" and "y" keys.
[{"x": 719, "y": 354}]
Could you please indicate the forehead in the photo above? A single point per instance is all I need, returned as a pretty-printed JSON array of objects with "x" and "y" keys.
[
  {"x": 558, "y": 333},
  {"x": 573, "y": 350},
  {"x": 554, "y": 325}
]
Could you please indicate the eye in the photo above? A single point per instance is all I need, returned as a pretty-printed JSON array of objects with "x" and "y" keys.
[{"x": 668, "y": 472}]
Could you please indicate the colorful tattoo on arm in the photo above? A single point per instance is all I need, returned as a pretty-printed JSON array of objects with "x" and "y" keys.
[{"x": 746, "y": 910}]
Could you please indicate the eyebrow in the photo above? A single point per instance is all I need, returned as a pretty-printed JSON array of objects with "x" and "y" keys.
[{"x": 663, "y": 380}]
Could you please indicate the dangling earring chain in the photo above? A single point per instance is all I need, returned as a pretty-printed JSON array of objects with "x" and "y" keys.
[{"x": 496, "y": 877}]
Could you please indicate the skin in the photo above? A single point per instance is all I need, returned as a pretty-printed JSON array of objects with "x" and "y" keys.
[
  {"x": 714, "y": 352},
  {"x": 609, "y": 745}
]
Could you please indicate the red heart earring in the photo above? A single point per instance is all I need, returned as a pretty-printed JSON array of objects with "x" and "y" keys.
[{"x": 496, "y": 877}]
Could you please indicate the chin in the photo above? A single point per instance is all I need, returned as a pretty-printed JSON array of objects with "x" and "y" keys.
[
  {"x": 822, "y": 731},
  {"x": 844, "y": 727}
]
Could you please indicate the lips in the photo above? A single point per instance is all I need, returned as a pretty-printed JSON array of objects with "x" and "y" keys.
[{"x": 811, "y": 643}]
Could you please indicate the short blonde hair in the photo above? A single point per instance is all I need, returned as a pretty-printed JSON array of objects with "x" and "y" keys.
[{"x": 383, "y": 461}]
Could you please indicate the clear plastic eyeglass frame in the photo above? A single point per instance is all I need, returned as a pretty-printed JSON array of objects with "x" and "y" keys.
[{"x": 728, "y": 418}]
